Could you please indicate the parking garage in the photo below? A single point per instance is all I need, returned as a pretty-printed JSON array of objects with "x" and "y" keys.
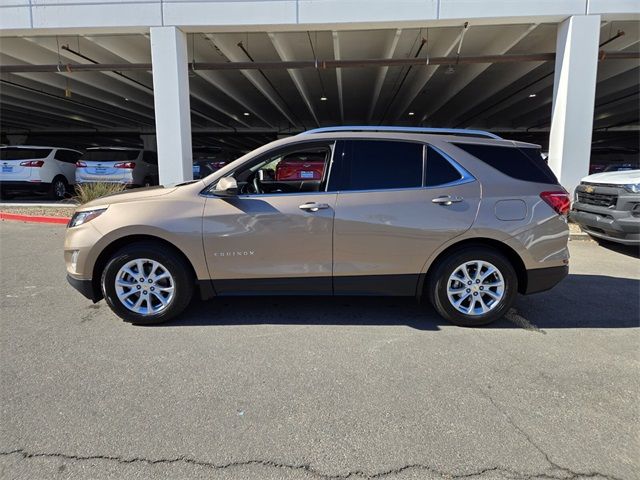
[{"x": 180, "y": 90}]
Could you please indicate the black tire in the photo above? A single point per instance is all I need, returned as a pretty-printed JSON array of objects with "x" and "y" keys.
[
  {"x": 59, "y": 188},
  {"x": 438, "y": 282},
  {"x": 147, "y": 182},
  {"x": 173, "y": 262}
]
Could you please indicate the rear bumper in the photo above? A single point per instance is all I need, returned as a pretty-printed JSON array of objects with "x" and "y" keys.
[
  {"x": 23, "y": 186},
  {"x": 85, "y": 287},
  {"x": 543, "y": 279}
]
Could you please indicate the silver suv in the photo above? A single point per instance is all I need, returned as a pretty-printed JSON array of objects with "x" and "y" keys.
[{"x": 461, "y": 217}]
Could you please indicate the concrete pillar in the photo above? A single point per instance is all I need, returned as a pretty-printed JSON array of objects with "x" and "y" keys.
[
  {"x": 573, "y": 98},
  {"x": 171, "y": 100}
]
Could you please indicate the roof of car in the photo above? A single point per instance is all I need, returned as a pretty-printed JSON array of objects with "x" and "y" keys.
[
  {"x": 116, "y": 148},
  {"x": 38, "y": 147}
]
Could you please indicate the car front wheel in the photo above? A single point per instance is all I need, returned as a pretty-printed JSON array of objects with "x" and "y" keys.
[
  {"x": 147, "y": 284},
  {"x": 473, "y": 286}
]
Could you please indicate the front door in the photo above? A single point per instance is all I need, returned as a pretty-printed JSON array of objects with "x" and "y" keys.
[
  {"x": 398, "y": 202},
  {"x": 275, "y": 236}
]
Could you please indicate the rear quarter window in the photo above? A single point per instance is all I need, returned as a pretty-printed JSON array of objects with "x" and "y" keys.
[{"x": 520, "y": 163}]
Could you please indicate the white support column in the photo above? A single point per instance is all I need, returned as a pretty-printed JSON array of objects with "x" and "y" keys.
[
  {"x": 171, "y": 100},
  {"x": 573, "y": 98}
]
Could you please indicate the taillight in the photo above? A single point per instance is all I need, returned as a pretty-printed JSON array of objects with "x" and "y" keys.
[
  {"x": 32, "y": 163},
  {"x": 80, "y": 164},
  {"x": 558, "y": 200},
  {"x": 125, "y": 165}
]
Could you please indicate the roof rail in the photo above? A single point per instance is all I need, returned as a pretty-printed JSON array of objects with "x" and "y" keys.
[{"x": 441, "y": 131}]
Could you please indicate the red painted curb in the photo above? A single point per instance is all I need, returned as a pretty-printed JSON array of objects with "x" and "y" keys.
[{"x": 33, "y": 218}]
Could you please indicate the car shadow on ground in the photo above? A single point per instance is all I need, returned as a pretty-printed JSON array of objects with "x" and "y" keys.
[
  {"x": 629, "y": 250},
  {"x": 579, "y": 301}
]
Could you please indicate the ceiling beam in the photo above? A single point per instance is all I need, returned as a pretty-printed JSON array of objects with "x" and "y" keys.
[
  {"x": 234, "y": 54},
  {"x": 390, "y": 51},
  {"x": 285, "y": 54},
  {"x": 337, "y": 56},
  {"x": 461, "y": 79}
]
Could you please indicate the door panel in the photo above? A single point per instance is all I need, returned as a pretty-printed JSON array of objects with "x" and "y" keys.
[
  {"x": 383, "y": 238},
  {"x": 266, "y": 244}
]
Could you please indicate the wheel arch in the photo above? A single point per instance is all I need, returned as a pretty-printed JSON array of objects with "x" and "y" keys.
[
  {"x": 108, "y": 251},
  {"x": 501, "y": 247}
]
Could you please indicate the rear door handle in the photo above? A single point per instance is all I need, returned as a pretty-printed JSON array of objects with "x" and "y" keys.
[
  {"x": 313, "y": 206},
  {"x": 447, "y": 200}
]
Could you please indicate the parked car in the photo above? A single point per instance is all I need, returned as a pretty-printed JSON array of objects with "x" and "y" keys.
[
  {"x": 620, "y": 167},
  {"x": 130, "y": 166},
  {"x": 301, "y": 166},
  {"x": 207, "y": 160},
  {"x": 35, "y": 169},
  {"x": 607, "y": 206},
  {"x": 466, "y": 221}
]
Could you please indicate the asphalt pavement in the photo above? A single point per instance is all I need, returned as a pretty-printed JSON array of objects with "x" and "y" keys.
[{"x": 317, "y": 388}]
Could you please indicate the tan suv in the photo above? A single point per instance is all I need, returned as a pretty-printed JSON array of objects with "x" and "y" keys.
[{"x": 462, "y": 217}]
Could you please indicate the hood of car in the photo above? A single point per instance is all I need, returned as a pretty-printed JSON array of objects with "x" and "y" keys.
[
  {"x": 615, "y": 178},
  {"x": 128, "y": 196}
]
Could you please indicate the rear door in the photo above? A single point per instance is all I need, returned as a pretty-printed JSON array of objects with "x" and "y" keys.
[
  {"x": 66, "y": 160},
  {"x": 398, "y": 202}
]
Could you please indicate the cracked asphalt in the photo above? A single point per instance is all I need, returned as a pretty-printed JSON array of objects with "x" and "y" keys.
[{"x": 317, "y": 388}]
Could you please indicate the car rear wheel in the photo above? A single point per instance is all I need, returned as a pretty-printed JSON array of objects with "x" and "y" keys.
[
  {"x": 58, "y": 189},
  {"x": 147, "y": 284},
  {"x": 473, "y": 286}
]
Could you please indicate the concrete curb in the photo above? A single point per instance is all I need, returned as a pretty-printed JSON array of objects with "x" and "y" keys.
[
  {"x": 33, "y": 218},
  {"x": 579, "y": 237}
]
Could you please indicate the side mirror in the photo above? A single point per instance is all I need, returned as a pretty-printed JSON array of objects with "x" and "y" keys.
[{"x": 226, "y": 187}]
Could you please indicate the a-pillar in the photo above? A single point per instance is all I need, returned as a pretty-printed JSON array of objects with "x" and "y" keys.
[{"x": 171, "y": 99}]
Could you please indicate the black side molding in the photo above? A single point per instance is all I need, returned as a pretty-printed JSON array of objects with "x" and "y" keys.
[{"x": 543, "y": 279}]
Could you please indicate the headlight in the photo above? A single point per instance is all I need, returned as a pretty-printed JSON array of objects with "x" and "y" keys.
[
  {"x": 80, "y": 218},
  {"x": 632, "y": 187}
]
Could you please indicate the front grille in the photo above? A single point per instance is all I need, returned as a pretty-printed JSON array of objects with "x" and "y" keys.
[{"x": 598, "y": 199}]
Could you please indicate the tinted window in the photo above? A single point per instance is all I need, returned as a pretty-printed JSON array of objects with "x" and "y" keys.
[
  {"x": 379, "y": 164},
  {"x": 520, "y": 163},
  {"x": 110, "y": 155},
  {"x": 12, "y": 153},
  {"x": 150, "y": 157},
  {"x": 67, "y": 156},
  {"x": 439, "y": 170}
]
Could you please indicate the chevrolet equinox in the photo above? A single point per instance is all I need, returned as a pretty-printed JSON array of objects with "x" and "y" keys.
[{"x": 462, "y": 217}]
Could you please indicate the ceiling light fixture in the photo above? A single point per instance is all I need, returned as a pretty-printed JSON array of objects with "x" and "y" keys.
[
  {"x": 532, "y": 95},
  {"x": 411, "y": 114},
  {"x": 246, "y": 114},
  {"x": 323, "y": 98}
]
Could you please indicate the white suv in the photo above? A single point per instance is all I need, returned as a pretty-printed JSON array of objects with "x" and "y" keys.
[
  {"x": 49, "y": 170},
  {"x": 129, "y": 166}
]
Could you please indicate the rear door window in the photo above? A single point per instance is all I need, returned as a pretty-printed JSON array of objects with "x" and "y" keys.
[
  {"x": 520, "y": 163},
  {"x": 12, "y": 153},
  {"x": 381, "y": 165}
]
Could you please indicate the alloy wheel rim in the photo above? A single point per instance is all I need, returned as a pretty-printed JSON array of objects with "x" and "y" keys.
[
  {"x": 59, "y": 189},
  {"x": 475, "y": 288},
  {"x": 144, "y": 286}
]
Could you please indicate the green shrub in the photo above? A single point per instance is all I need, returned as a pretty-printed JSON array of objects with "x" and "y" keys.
[{"x": 86, "y": 192}]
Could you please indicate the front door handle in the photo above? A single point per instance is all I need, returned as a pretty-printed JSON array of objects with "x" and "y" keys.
[
  {"x": 447, "y": 200},
  {"x": 313, "y": 206}
]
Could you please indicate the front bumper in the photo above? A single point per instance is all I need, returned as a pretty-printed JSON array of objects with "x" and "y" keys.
[
  {"x": 85, "y": 287},
  {"x": 619, "y": 222}
]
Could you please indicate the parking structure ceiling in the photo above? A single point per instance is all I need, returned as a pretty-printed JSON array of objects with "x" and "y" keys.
[{"x": 242, "y": 109}]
